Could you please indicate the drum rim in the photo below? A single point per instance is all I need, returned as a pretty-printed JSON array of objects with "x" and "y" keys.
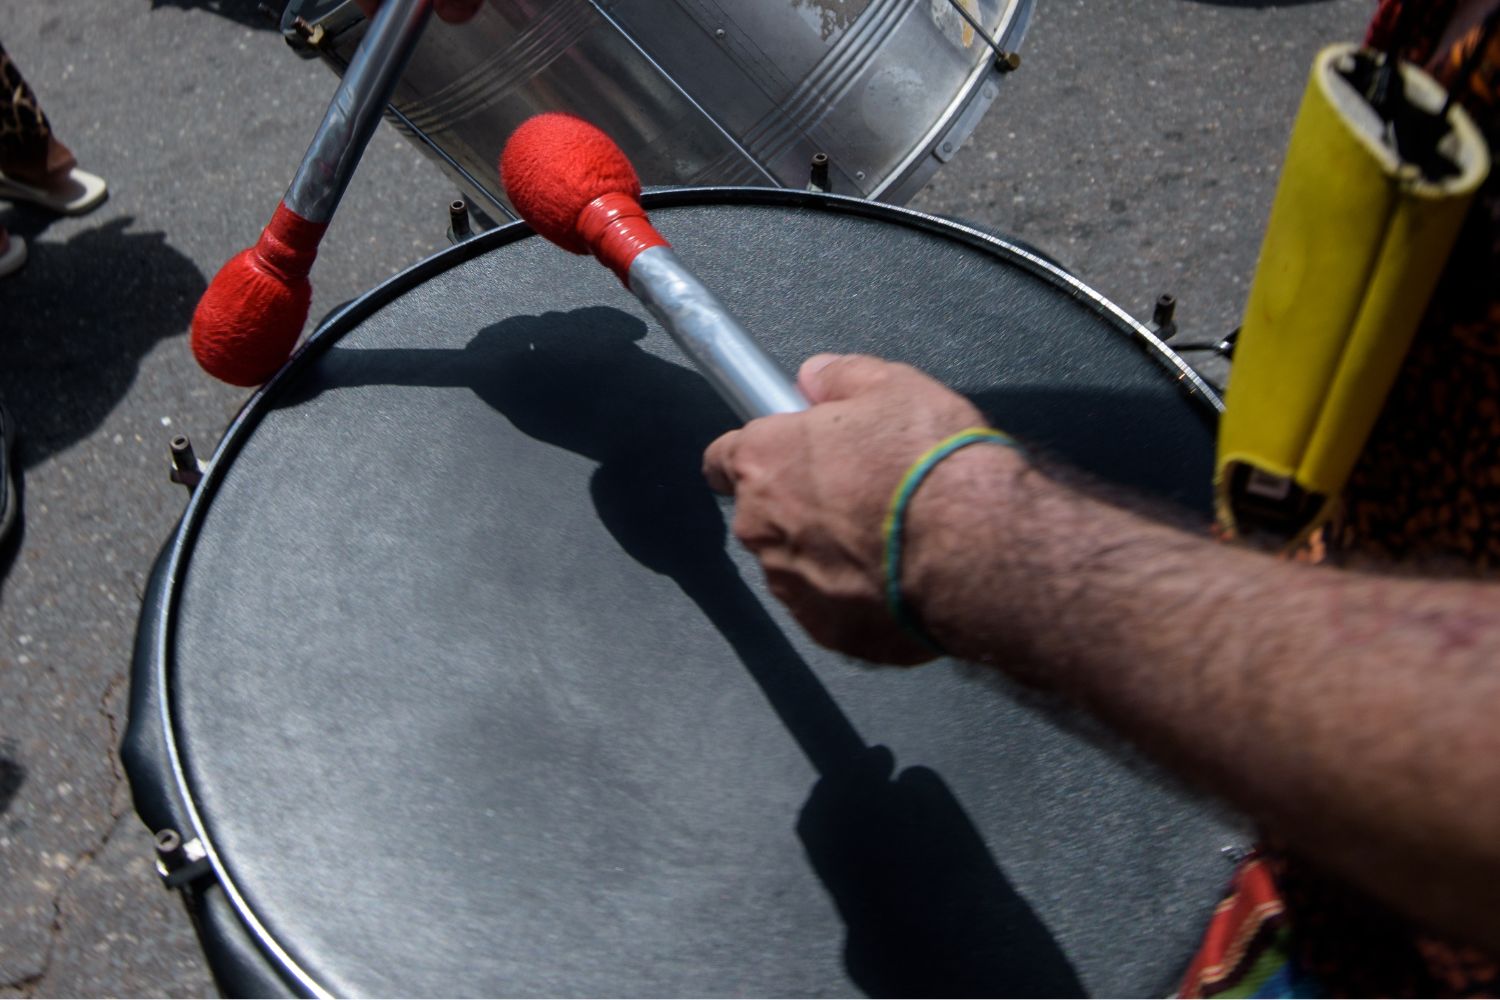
[{"x": 345, "y": 318}]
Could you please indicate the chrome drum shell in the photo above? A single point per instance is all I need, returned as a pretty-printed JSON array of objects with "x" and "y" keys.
[{"x": 702, "y": 92}]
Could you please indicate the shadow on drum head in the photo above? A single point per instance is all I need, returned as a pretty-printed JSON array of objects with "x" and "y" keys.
[
  {"x": 1124, "y": 438},
  {"x": 926, "y": 909}
]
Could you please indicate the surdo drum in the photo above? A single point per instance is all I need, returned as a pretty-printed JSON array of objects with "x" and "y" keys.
[
  {"x": 453, "y": 682},
  {"x": 702, "y": 92}
]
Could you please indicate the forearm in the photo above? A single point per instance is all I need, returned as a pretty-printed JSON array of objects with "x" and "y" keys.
[{"x": 1358, "y": 717}]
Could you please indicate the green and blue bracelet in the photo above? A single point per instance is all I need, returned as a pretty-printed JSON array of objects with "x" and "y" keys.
[{"x": 895, "y": 520}]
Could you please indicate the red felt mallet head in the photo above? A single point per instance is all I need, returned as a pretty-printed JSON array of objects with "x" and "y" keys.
[
  {"x": 249, "y": 318},
  {"x": 575, "y": 187}
]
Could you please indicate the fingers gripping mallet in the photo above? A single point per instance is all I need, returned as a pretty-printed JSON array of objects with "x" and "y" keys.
[
  {"x": 575, "y": 187},
  {"x": 249, "y": 319}
]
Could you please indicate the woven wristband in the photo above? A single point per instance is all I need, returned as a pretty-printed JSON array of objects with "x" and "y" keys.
[{"x": 895, "y": 521}]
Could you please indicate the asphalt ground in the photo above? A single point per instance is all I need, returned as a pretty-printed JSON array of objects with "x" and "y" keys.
[{"x": 1138, "y": 144}]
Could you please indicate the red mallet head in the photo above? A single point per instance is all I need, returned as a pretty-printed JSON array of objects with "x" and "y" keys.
[
  {"x": 575, "y": 187},
  {"x": 250, "y": 317}
]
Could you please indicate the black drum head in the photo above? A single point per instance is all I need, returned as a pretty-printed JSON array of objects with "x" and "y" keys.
[{"x": 472, "y": 692}]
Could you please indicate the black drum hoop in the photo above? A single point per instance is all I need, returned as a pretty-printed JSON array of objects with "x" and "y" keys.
[{"x": 347, "y": 317}]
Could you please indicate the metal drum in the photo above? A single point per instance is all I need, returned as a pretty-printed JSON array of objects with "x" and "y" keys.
[
  {"x": 452, "y": 682},
  {"x": 703, "y": 91}
]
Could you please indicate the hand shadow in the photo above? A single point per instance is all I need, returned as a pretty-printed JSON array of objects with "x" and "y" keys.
[{"x": 927, "y": 910}]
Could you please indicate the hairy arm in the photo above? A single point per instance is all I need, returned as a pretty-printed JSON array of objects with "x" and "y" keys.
[{"x": 1356, "y": 716}]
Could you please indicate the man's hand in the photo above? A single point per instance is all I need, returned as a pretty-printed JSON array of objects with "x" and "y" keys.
[
  {"x": 812, "y": 490},
  {"x": 456, "y": 11}
]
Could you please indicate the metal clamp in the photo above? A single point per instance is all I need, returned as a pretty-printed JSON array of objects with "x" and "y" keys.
[
  {"x": 311, "y": 35},
  {"x": 319, "y": 35},
  {"x": 459, "y": 227},
  {"x": 179, "y": 862},
  {"x": 186, "y": 468},
  {"x": 1164, "y": 316},
  {"x": 818, "y": 180},
  {"x": 1005, "y": 61}
]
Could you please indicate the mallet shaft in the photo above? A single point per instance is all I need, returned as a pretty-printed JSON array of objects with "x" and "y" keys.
[
  {"x": 355, "y": 110},
  {"x": 748, "y": 379}
]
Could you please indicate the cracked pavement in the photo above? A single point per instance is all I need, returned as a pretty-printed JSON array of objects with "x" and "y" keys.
[{"x": 1138, "y": 143}]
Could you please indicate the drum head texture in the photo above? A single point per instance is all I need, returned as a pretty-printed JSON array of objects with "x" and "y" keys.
[{"x": 473, "y": 693}]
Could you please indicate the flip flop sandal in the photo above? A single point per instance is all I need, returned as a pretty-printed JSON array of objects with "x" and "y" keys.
[
  {"x": 75, "y": 194},
  {"x": 12, "y": 253}
]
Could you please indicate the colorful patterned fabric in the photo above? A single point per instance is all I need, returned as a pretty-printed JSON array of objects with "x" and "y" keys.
[
  {"x": 1286, "y": 930},
  {"x": 1245, "y": 950},
  {"x": 1426, "y": 491}
]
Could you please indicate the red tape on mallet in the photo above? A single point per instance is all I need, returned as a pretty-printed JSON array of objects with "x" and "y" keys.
[{"x": 249, "y": 319}]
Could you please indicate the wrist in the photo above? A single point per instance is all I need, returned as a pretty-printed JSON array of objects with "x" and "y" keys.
[{"x": 966, "y": 506}]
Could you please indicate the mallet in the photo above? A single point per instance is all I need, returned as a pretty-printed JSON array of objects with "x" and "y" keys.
[
  {"x": 575, "y": 187},
  {"x": 249, "y": 319}
]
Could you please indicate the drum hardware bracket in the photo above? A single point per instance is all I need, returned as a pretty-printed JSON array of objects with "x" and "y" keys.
[
  {"x": 1224, "y": 347},
  {"x": 311, "y": 36},
  {"x": 948, "y": 146},
  {"x": 310, "y": 39},
  {"x": 186, "y": 468},
  {"x": 459, "y": 228},
  {"x": 180, "y": 862},
  {"x": 1005, "y": 61},
  {"x": 818, "y": 180},
  {"x": 1164, "y": 325},
  {"x": 1164, "y": 316}
]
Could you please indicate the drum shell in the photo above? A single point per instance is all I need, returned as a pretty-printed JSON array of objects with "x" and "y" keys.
[
  {"x": 704, "y": 92},
  {"x": 1093, "y": 809}
]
